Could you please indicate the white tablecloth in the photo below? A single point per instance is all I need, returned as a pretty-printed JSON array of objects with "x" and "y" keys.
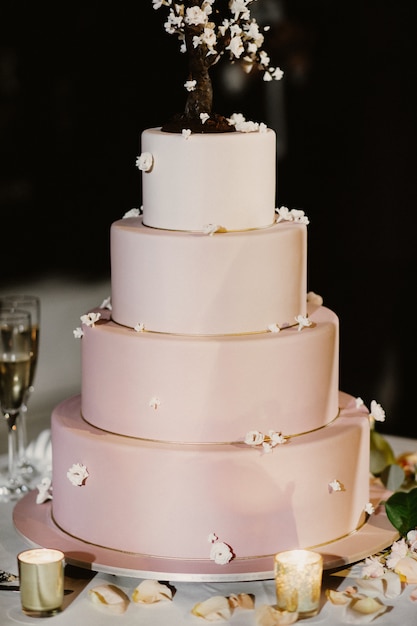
[{"x": 78, "y": 608}]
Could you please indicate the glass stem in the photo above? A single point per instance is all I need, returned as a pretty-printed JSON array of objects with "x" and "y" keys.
[
  {"x": 12, "y": 447},
  {"x": 22, "y": 435}
]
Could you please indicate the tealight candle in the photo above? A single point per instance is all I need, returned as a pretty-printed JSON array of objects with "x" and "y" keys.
[
  {"x": 298, "y": 579},
  {"x": 41, "y": 577}
]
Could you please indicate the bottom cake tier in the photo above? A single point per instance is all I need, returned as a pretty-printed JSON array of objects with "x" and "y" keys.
[{"x": 219, "y": 502}]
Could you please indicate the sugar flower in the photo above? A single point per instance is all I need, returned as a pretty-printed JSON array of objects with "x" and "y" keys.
[
  {"x": 145, "y": 161},
  {"x": 90, "y": 318},
  {"x": 274, "y": 328},
  {"x": 204, "y": 117},
  {"x": 186, "y": 132},
  {"x": 44, "y": 492},
  {"x": 373, "y": 568},
  {"x": 369, "y": 508},
  {"x": 302, "y": 321},
  {"x": 190, "y": 85},
  {"x": 132, "y": 213},
  {"x": 140, "y": 327},
  {"x": 77, "y": 474},
  {"x": 220, "y": 552},
  {"x": 377, "y": 412},
  {"x": 268, "y": 441},
  {"x": 78, "y": 332},
  {"x": 106, "y": 304},
  {"x": 254, "y": 438},
  {"x": 154, "y": 403},
  {"x": 335, "y": 485}
]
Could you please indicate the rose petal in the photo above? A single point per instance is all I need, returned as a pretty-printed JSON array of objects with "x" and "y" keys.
[
  {"x": 109, "y": 598},
  {"x": 213, "y": 609},
  {"x": 267, "y": 615},
  {"x": 407, "y": 567},
  {"x": 337, "y": 597},
  {"x": 242, "y": 601},
  {"x": 151, "y": 591},
  {"x": 367, "y": 605}
]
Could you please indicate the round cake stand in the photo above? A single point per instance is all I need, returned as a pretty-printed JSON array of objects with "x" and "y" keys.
[{"x": 35, "y": 524}]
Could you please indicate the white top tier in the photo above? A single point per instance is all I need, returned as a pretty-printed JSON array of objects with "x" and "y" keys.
[{"x": 222, "y": 179}]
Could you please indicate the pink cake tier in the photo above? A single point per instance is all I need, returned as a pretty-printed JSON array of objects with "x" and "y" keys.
[
  {"x": 166, "y": 500},
  {"x": 226, "y": 179},
  {"x": 210, "y": 389},
  {"x": 194, "y": 283}
]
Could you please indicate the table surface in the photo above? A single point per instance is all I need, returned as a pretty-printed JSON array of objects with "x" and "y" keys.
[{"x": 78, "y": 608}]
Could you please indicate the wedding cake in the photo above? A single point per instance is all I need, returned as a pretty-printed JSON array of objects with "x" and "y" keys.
[{"x": 210, "y": 432}]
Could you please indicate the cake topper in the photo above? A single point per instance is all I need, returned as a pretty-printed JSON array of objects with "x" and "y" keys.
[{"x": 207, "y": 30}]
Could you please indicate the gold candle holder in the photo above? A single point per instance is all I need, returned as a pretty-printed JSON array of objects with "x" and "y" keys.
[
  {"x": 41, "y": 577},
  {"x": 298, "y": 579}
]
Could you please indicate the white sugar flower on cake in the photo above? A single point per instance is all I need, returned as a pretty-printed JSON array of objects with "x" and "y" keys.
[
  {"x": 208, "y": 31},
  {"x": 144, "y": 161},
  {"x": 90, "y": 318},
  {"x": 302, "y": 321},
  {"x": 335, "y": 485},
  {"x": 77, "y": 474},
  {"x": 133, "y": 213},
  {"x": 377, "y": 412},
  {"x": 154, "y": 403},
  {"x": 220, "y": 552},
  {"x": 293, "y": 215},
  {"x": 78, "y": 332},
  {"x": 268, "y": 442},
  {"x": 140, "y": 327},
  {"x": 369, "y": 508},
  {"x": 106, "y": 304},
  {"x": 273, "y": 328},
  {"x": 44, "y": 490}
]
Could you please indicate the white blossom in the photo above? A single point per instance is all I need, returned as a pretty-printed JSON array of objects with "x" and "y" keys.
[
  {"x": 254, "y": 438},
  {"x": 335, "y": 485},
  {"x": 377, "y": 412},
  {"x": 220, "y": 553},
  {"x": 106, "y": 304},
  {"x": 44, "y": 492},
  {"x": 369, "y": 508},
  {"x": 186, "y": 132},
  {"x": 273, "y": 328},
  {"x": 302, "y": 321},
  {"x": 190, "y": 85},
  {"x": 78, "y": 332},
  {"x": 154, "y": 403},
  {"x": 373, "y": 568},
  {"x": 204, "y": 117},
  {"x": 140, "y": 327},
  {"x": 144, "y": 161},
  {"x": 132, "y": 213},
  {"x": 90, "y": 318},
  {"x": 77, "y": 474}
]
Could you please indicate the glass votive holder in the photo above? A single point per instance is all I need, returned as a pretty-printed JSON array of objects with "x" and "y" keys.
[
  {"x": 41, "y": 579},
  {"x": 298, "y": 580}
]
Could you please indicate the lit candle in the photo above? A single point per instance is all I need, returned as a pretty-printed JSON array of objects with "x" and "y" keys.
[
  {"x": 41, "y": 577},
  {"x": 298, "y": 578}
]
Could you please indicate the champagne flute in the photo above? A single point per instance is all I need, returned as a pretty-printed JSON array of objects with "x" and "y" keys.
[
  {"x": 33, "y": 305},
  {"x": 15, "y": 356}
]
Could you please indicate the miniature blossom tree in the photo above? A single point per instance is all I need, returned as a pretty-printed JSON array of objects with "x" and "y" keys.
[{"x": 207, "y": 30}]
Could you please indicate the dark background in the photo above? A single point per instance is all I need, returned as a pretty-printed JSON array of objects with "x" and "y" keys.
[{"x": 80, "y": 81}]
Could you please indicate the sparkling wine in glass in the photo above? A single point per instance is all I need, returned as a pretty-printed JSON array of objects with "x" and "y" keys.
[
  {"x": 31, "y": 304},
  {"x": 15, "y": 356}
]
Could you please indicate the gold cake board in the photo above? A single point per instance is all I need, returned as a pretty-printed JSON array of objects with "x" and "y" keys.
[{"x": 35, "y": 524}]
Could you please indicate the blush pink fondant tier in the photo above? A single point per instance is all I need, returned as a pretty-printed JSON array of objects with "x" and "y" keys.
[
  {"x": 210, "y": 389},
  {"x": 165, "y": 500},
  {"x": 192, "y": 182},
  {"x": 193, "y": 283}
]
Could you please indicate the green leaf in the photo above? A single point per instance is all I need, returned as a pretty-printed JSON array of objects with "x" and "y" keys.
[
  {"x": 381, "y": 453},
  {"x": 401, "y": 509}
]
